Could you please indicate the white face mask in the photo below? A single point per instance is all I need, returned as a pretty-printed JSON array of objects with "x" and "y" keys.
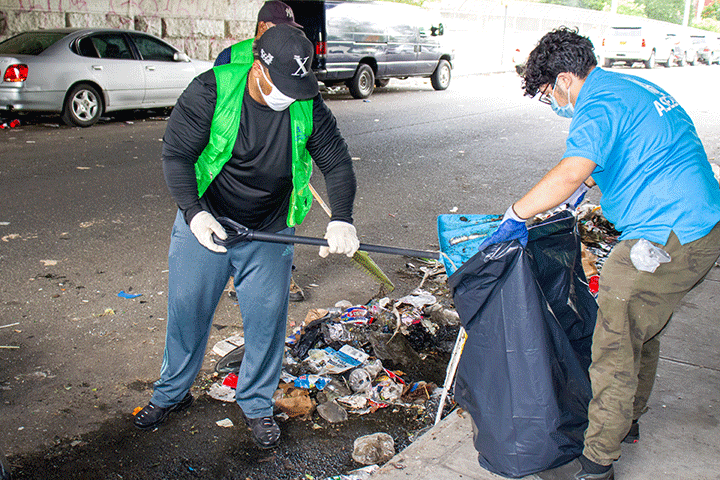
[{"x": 276, "y": 100}]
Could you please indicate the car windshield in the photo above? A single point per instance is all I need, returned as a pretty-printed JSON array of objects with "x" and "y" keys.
[{"x": 29, "y": 43}]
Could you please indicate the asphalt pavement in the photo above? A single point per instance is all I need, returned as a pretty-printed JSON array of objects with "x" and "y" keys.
[{"x": 679, "y": 435}]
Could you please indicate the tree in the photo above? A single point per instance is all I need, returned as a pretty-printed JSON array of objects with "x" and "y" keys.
[
  {"x": 711, "y": 11},
  {"x": 631, "y": 7},
  {"x": 670, "y": 11}
]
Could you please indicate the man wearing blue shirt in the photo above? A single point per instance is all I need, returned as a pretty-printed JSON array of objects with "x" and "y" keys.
[{"x": 631, "y": 139}]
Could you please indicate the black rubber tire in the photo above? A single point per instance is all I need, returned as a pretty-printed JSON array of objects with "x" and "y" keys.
[
  {"x": 440, "y": 78},
  {"x": 83, "y": 106},
  {"x": 363, "y": 83}
]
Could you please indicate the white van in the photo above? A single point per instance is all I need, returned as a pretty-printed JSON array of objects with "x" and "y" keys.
[{"x": 634, "y": 44}]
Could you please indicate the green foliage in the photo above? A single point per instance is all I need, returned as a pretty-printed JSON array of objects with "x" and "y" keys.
[
  {"x": 708, "y": 24},
  {"x": 711, "y": 11},
  {"x": 588, "y": 4},
  {"x": 630, "y": 7},
  {"x": 417, "y": 3},
  {"x": 670, "y": 11}
]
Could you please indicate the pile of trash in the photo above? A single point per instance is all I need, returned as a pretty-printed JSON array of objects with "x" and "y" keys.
[
  {"x": 597, "y": 234},
  {"x": 355, "y": 359}
]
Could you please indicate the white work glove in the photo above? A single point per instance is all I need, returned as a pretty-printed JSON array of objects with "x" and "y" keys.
[
  {"x": 342, "y": 238},
  {"x": 203, "y": 225},
  {"x": 576, "y": 198}
]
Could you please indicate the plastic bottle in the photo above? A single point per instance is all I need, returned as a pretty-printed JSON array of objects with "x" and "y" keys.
[{"x": 360, "y": 379}]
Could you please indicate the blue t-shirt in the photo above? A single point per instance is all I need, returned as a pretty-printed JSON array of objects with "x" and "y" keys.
[{"x": 652, "y": 169}]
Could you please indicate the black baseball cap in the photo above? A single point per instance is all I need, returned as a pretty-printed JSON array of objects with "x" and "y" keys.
[
  {"x": 288, "y": 56},
  {"x": 278, "y": 13}
]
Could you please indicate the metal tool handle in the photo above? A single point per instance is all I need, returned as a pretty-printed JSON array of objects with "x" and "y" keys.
[
  {"x": 239, "y": 233},
  {"x": 321, "y": 242}
]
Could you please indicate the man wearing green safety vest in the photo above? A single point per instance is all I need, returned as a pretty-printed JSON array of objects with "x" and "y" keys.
[
  {"x": 240, "y": 144},
  {"x": 273, "y": 12}
]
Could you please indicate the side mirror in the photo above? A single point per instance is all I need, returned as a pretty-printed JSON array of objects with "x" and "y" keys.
[{"x": 181, "y": 57}]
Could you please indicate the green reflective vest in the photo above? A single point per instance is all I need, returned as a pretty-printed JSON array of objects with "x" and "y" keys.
[
  {"x": 231, "y": 80},
  {"x": 242, "y": 52}
]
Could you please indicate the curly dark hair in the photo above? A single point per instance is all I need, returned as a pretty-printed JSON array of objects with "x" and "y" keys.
[{"x": 558, "y": 51}]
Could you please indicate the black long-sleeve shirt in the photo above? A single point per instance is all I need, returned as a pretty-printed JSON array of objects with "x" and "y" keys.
[{"x": 254, "y": 186}]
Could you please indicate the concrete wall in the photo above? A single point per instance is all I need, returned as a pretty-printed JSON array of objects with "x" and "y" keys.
[
  {"x": 486, "y": 34},
  {"x": 202, "y": 28}
]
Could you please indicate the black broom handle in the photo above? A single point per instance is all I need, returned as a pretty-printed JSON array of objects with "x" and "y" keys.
[{"x": 321, "y": 242}]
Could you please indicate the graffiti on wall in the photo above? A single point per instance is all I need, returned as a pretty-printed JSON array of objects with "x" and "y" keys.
[
  {"x": 152, "y": 8},
  {"x": 57, "y": 6}
]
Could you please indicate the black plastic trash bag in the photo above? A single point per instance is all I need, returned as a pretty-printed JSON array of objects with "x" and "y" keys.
[{"x": 524, "y": 385}]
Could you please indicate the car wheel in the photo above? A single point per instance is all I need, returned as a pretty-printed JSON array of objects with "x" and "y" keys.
[
  {"x": 363, "y": 83},
  {"x": 83, "y": 106},
  {"x": 440, "y": 79},
  {"x": 607, "y": 63},
  {"x": 650, "y": 62},
  {"x": 382, "y": 82}
]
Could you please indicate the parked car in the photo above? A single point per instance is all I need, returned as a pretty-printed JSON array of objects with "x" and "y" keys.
[
  {"x": 683, "y": 50},
  {"x": 632, "y": 44},
  {"x": 365, "y": 44},
  {"x": 708, "y": 48},
  {"x": 83, "y": 73}
]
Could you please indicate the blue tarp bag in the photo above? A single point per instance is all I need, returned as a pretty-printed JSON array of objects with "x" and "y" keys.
[{"x": 529, "y": 316}]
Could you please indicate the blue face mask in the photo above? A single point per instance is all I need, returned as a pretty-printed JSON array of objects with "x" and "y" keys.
[{"x": 567, "y": 111}]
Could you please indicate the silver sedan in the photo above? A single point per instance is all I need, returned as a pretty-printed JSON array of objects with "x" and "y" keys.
[{"x": 82, "y": 73}]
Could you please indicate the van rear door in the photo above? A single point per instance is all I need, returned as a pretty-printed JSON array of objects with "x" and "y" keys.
[{"x": 311, "y": 15}]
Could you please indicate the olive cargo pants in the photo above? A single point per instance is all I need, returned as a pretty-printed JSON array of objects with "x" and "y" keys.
[{"x": 634, "y": 308}]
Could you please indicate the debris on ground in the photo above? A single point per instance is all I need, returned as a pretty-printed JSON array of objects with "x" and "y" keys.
[
  {"x": 225, "y": 423},
  {"x": 373, "y": 449},
  {"x": 363, "y": 473},
  {"x": 356, "y": 359},
  {"x": 223, "y": 347}
]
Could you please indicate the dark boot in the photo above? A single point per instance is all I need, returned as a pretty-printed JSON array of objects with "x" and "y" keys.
[{"x": 151, "y": 416}]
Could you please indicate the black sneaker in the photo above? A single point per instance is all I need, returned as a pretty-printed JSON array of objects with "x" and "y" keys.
[
  {"x": 151, "y": 416},
  {"x": 575, "y": 471},
  {"x": 265, "y": 431},
  {"x": 633, "y": 435}
]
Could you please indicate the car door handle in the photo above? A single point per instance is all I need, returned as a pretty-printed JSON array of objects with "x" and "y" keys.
[
  {"x": 150, "y": 67},
  {"x": 97, "y": 67}
]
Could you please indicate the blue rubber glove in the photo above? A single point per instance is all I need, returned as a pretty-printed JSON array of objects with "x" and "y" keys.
[
  {"x": 576, "y": 198},
  {"x": 512, "y": 227}
]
